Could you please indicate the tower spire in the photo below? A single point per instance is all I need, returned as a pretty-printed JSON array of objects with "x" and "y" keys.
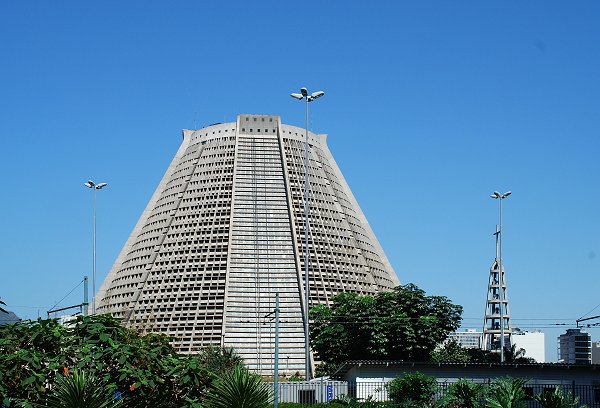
[{"x": 497, "y": 234}]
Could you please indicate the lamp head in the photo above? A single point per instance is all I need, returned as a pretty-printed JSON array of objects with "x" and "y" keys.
[
  {"x": 315, "y": 95},
  {"x": 297, "y": 96},
  {"x": 101, "y": 185},
  {"x": 506, "y": 194},
  {"x": 304, "y": 92},
  {"x": 495, "y": 194},
  {"x": 89, "y": 184}
]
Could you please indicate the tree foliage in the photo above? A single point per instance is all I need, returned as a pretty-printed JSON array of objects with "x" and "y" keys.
[
  {"x": 403, "y": 324},
  {"x": 512, "y": 355},
  {"x": 451, "y": 352},
  {"x": 144, "y": 370}
]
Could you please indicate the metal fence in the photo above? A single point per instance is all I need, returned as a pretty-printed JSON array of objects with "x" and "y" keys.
[{"x": 322, "y": 391}]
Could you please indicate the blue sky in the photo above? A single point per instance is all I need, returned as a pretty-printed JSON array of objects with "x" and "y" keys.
[{"x": 429, "y": 107}]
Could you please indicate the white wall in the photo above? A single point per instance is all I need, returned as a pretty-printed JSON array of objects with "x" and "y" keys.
[{"x": 532, "y": 342}]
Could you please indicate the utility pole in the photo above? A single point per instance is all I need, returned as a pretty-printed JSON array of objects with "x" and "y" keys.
[{"x": 276, "y": 368}]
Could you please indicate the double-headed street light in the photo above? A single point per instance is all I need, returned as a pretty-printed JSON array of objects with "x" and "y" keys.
[
  {"x": 94, "y": 186},
  {"x": 500, "y": 197},
  {"x": 308, "y": 98}
]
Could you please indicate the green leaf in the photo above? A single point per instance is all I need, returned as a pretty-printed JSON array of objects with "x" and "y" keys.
[{"x": 29, "y": 380}]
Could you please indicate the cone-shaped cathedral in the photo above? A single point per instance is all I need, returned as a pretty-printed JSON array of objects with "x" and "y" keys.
[{"x": 224, "y": 232}]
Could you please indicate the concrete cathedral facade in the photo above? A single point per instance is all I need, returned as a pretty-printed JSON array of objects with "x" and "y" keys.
[{"x": 225, "y": 231}]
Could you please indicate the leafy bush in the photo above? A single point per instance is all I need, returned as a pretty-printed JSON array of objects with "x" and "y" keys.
[
  {"x": 558, "y": 399},
  {"x": 506, "y": 392},
  {"x": 413, "y": 388},
  {"x": 145, "y": 370}
]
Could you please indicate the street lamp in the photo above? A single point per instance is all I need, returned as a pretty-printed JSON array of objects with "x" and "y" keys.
[
  {"x": 308, "y": 98},
  {"x": 500, "y": 197},
  {"x": 94, "y": 186}
]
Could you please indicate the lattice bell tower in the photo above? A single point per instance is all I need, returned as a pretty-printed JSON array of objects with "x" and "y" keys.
[{"x": 497, "y": 311}]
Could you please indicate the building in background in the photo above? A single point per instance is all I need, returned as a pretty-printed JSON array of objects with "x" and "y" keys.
[
  {"x": 469, "y": 338},
  {"x": 224, "y": 233},
  {"x": 575, "y": 347},
  {"x": 532, "y": 342}
]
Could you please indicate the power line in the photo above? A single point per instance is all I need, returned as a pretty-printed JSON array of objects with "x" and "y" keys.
[
  {"x": 596, "y": 307},
  {"x": 67, "y": 295}
]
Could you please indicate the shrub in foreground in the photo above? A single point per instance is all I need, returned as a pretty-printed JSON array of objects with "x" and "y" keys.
[{"x": 414, "y": 389}]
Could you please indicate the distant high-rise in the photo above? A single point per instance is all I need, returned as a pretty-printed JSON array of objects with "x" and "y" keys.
[
  {"x": 469, "y": 338},
  {"x": 575, "y": 347},
  {"x": 224, "y": 232}
]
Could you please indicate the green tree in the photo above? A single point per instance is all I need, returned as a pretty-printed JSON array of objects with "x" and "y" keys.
[
  {"x": 512, "y": 355},
  {"x": 404, "y": 324},
  {"x": 450, "y": 352},
  {"x": 413, "y": 389}
]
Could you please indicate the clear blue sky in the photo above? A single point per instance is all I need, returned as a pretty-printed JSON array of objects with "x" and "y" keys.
[{"x": 429, "y": 107}]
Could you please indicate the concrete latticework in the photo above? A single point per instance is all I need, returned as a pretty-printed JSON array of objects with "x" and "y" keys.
[
  {"x": 497, "y": 312},
  {"x": 224, "y": 232}
]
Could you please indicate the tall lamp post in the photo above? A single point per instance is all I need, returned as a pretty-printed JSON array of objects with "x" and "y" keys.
[
  {"x": 500, "y": 197},
  {"x": 308, "y": 98},
  {"x": 94, "y": 186}
]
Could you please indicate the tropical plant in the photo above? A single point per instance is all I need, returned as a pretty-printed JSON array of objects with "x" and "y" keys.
[
  {"x": 404, "y": 324},
  {"x": 506, "y": 392},
  {"x": 1, "y": 308},
  {"x": 412, "y": 389},
  {"x": 513, "y": 354},
  {"x": 464, "y": 394},
  {"x": 558, "y": 399},
  {"x": 78, "y": 390},
  {"x": 220, "y": 359},
  {"x": 241, "y": 389}
]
